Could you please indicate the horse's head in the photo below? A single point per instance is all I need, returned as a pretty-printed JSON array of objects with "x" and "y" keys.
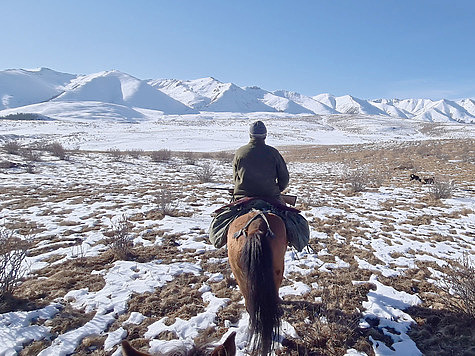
[{"x": 228, "y": 348}]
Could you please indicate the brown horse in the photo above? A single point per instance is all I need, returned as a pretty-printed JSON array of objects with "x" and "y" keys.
[
  {"x": 257, "y": 243},
  {"x": 228, "y": 348}
]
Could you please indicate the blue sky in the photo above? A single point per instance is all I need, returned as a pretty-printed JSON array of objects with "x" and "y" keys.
[{"x": 369, "y": 49}]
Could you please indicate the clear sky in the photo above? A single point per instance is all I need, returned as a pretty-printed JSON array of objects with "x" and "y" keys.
[{"x": 369, "y": 49}]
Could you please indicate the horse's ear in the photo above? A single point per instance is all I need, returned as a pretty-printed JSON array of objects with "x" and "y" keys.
[
  {"x": 228, "y": 348},
  {"x": 128, "y": 350}
]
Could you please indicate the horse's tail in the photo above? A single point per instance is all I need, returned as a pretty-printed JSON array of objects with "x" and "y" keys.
[{"x": 263, "y": 302}]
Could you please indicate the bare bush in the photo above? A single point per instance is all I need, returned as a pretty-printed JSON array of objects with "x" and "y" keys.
[
  {"x": 161, "y": 155},
  {"x": 459, "y": 285},
  {"x": 12, "y": 147},
  {"x": 166, "y": 202},
  {"x": 224, "y": 157},
  {"x": 13, "y": 251},
  {"x": 377, "y": 178},
  {"x": 135, "y": 153},
  {"x": 58, "y": 150},
  {"x": 8, "y": 164},
  {"x": 119, "y": 240},
  {"x": 30, "y": 168},
  {"x": 441, "y": 188},
  {"x": 206, "y": 173},
  {"x": 31, "y": 155},
  {"x": 357, "y": 179},
  {"x": 190, "y": 158},
  {"x": 116, "y": 154}
]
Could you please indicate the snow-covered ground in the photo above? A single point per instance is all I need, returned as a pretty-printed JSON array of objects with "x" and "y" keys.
[
  {"x": 70, "y": 207},
  {"x": 119, "y": 128}
]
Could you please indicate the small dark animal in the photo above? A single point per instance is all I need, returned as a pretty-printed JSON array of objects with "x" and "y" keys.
[
  {"x": 414, "y": 177},
  {"x": 429, "y": 180}
]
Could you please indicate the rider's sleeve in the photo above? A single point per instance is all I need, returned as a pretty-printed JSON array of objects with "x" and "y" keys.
[{"x": 282, "y": 173}]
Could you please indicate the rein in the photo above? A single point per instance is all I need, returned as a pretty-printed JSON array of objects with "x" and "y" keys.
[{"x": 259, "y": 214}]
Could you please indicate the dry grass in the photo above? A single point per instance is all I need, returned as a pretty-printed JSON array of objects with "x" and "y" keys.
[
  {"x": 327, "y": 317},
  {"x": 119, "y": 239},
  {"x": 12, "y": 147},
  {"x": 458, "y": 284},
  {"x": 161, "y": 155},
  {"x": 13, "y": 252},
  {"x": 206, "y": 173}
]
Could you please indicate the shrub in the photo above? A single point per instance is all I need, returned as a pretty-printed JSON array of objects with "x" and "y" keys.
[
  {"x": 441, "y": 189},
  {"x": 377, "y": 178},
  {"x": 30, "y": 168},
  {"x": 57, "y": 150},
  {"x": 459, "y": 285},
  {"x": 12, "y": 147},
  {"x": 116, "y": 154},
  {"x": 206, "y": 173},
  {"x": 31, "y": 155},
  {"x": 13, "y": 251},
  {"x": 357, "y": 179},
  {"x": 224, "y": 157},
  {"x": 161, "y": 155},
  {"x": 190, "y": 158},
  {"x": 135, "y": 153},
  {"x": 120, "y": 241},
  {"x": 7, "y": 164},
  {"x": 166, "y": 202}
]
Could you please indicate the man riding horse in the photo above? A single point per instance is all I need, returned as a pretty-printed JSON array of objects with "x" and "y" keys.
[
  {"x": 260, "y": 175},
  {"x": 258, "y": 169}
]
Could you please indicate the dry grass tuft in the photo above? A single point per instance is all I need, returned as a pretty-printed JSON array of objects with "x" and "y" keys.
[
  {"x": 178, "y": 298},
  {"x": 166, "y": 201},
  {"x": 458, "y": 284},
  {"x": 119, "y": 239},
  {"x": 13, "y": 252},
  {"x": 58, "y": 150},
  {"x": 161, "y": 155},
  {"x": 357, "y": 179},
  {"x": 116, "y": 155},
  {"x": 442, "y": 188},
  {"x": 206, "y": 173},
  {"x": 12, "y": 147}
]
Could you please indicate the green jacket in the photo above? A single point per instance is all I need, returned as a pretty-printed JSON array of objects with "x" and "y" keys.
[{"x": 259, "y": 170}]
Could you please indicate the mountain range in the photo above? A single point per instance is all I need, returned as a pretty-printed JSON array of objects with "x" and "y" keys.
[{"x": 30, "y": 90}]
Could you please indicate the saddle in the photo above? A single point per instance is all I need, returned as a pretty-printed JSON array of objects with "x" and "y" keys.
[
  {"x": 298, "y": 231},
  {"x": 241, "y": 203}
]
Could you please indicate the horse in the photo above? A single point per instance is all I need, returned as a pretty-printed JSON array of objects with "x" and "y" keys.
[
  {"x": 228, "y": 348},
  {"x": 257, "y": 242}
]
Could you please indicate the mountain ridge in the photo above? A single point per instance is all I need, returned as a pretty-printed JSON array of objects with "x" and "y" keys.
[{"x": 23, "y": 87}]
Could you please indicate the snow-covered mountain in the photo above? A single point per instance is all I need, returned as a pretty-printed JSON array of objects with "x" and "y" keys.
[
  {"x": 307, "y": 102},
  {"x": 20, "y": 88},
  {"x": 468, "y": 104},
  {"x": 119, "y": 88}
]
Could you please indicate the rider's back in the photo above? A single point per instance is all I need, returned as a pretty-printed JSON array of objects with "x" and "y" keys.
[{"x": 259, "y": 170}]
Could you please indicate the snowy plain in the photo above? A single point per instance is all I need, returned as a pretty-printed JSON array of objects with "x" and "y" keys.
[{"x": 102, "y": 190}]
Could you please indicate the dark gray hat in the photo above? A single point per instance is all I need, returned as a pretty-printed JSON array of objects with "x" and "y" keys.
[{"x": 258, "y": 130}]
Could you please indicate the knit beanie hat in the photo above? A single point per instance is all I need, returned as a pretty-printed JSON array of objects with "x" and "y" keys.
[{"x": 258, "y": 130}]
